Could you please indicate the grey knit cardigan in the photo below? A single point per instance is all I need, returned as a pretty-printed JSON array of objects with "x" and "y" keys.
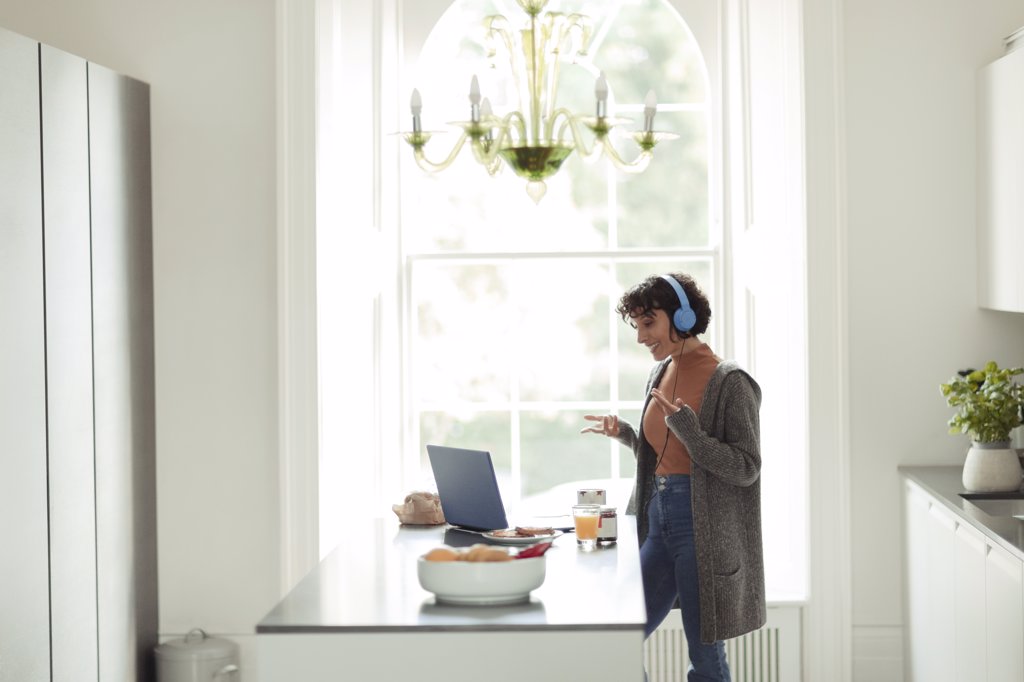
[{"x": 725, "y": 484}]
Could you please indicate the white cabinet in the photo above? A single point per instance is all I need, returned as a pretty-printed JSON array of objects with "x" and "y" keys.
[
  {"x": 1000, "y": 168},
  {"x": 915, "y": 516},
  {"x": 931, "y": 603},
  {"x": 971, "y": 656},
  {"x": 964, "y": 606},
  {"x": 941, "y": 598},
  {"x": 1004, "y": 603}
]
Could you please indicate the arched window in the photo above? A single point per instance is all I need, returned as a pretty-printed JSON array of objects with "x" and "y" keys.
[{"x": 510, "y": 332}]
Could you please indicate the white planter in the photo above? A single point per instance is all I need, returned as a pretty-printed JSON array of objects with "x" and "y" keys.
[{"x": 991, "y": 468}]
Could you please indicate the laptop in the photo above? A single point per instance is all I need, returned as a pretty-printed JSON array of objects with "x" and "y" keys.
[{"x": 469, "y": 493}]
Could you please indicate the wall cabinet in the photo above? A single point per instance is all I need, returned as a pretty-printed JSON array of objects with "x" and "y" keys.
[
  {"x": 77, "y": 455},
  {"x": 965, "y": 599},
  {"x": 1000, "y": 175}
]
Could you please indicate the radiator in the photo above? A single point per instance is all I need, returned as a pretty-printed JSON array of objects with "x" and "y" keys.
[{"x": 771, "y": 654}]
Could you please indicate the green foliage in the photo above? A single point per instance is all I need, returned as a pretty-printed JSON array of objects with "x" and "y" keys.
[{"x": 988, "y": 402}]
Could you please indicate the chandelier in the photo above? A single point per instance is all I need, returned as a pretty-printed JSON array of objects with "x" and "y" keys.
[{"x": 537, "y": 138}]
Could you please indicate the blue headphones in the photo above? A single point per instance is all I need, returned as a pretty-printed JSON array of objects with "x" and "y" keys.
[{"x": 684, "y": 318}]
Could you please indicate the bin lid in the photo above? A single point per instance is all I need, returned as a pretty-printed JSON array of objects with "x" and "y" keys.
[{"x": 197, "y": 645}]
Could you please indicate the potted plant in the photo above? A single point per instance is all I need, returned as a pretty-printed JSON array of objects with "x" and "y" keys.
[{"x": 989, "y": 404}]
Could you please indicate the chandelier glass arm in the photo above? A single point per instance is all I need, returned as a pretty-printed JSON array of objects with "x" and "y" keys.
[
  {"x": 430, "y": 166},
  {"x": 587, "y": 152},
  {"x": 637, "y": 165},
  {"x": 584, "y": 27},
  {"x": 498, "y": 30},
  {"x": 515, "y": 120},
  {"x": 485, "y": 148}
]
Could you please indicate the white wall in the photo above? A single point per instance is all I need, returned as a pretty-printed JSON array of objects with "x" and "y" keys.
[
  {"x": 211, "y": 67},
  {"x": 913, "y": 319}
]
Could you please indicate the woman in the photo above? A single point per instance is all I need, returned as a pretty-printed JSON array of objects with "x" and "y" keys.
[{"x": 697, "y": 496}]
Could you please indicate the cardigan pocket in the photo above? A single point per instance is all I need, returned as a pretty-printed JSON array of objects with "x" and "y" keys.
[
  {"x": 732, "y": 606},
  {"x": 728, "y": 554},
  {"x": 729, "y": 587}
]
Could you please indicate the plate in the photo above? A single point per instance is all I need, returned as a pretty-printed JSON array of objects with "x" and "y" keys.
[{"x": 525, "y": 540}]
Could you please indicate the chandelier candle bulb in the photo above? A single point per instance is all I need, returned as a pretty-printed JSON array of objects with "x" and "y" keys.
[
  {"x": 485, "y": 114},
  {"x": 474, "y": 100},
  {"x": 601, "y": 92},
  {"x": 416, "y": 104},
  {"x": 650, "y": 108}
]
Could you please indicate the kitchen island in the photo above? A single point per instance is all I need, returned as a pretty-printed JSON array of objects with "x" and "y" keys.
[{"x": 362, "y": 615}]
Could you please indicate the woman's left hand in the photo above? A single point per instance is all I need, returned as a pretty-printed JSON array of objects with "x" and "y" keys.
[{"x": 667, "y": 406}]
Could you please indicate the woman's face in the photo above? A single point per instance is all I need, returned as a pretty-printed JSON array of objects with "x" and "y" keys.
[{"x": 654, "y": 330}]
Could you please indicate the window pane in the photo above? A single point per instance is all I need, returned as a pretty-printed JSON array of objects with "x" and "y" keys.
[
  {"x": 565, "y": 355},
  {"x": 538, "y": 328},
  {"x": 554, "y": 451},
  {"x": 463, "y": 334},
  {"x": 644, "y": 50},
  {"x": 667, "y": 205},
  {"x": 463, "y": 209},
  {"x": 489, "y": 431}
]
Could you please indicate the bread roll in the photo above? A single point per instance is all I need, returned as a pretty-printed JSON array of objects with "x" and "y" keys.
[
  {"x": 419, "y": 509},
  {"x": 442, "y": 554},
  {"x": 495, "y": 554},
  {"x": 480, "y": 552}
]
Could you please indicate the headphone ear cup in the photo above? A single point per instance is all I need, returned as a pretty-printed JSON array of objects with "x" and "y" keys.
[
  {"x": 677, "y": 320},
  {"x": 684, "y": 319}
]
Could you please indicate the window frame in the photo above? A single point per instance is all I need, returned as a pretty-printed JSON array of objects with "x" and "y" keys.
[{"x": 372, "y": 198}]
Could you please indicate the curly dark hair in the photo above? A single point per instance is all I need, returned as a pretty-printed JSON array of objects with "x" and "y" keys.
[{"x": 654, "y": 293}]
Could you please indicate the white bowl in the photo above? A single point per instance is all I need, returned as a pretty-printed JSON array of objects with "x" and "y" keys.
[{"x": 481, "y": 582}]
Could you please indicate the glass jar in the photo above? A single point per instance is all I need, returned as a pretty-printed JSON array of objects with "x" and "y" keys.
[{"x": 608, "y": 526}]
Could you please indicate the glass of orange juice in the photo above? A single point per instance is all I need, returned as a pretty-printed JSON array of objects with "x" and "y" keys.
[{"x": 586, "y": 517}]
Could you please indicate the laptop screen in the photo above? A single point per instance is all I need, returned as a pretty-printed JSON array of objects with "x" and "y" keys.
[{"x": 467, "y": 487}]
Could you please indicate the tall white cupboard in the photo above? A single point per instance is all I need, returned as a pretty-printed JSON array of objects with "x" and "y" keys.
[{"x": 78, "y": 581}]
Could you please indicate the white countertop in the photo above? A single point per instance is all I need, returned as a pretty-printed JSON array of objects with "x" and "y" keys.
[
  {"x": 945, "y": 485},
  {"x": 369, "y": 584}
]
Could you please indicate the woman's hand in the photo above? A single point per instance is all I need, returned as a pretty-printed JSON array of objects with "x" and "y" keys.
[
  {"x": 668, "y": 407},
  {"x": 609, "y": 425}
]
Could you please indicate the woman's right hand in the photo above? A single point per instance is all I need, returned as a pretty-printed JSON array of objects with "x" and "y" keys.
[{"x": 608, "y": 426}]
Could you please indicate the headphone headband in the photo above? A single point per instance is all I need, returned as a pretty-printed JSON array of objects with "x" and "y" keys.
[{"x": 684, "y": 318}]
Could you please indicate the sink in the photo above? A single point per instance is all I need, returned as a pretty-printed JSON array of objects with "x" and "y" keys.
[
  {"x": 998, "y": 504},
  {"x": 1011, "y": 495}
]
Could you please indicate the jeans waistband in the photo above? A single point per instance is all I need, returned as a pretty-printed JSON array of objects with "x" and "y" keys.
[{"x": 672, "y": 482}]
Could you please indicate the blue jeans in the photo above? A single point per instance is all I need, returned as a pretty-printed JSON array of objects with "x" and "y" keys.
[{"x": 668, "y": 563}]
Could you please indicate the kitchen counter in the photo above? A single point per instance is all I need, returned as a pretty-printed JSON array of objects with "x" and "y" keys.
[
  {"x": 944, "y": 484},
  {"x": 364, "y": 602}
]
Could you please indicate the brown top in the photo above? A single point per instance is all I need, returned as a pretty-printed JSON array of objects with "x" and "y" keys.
[{"x": 693, "y": 369}]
